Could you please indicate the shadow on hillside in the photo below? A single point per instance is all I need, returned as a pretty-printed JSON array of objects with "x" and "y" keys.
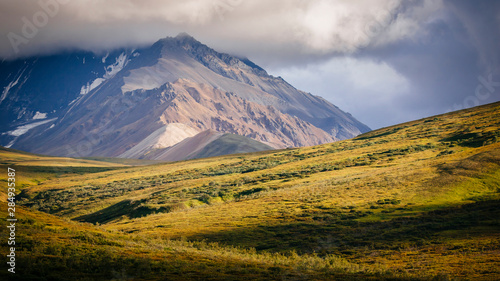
[
  {"x": 345, "y": 236},
  {"x": 129, "y": 208}
]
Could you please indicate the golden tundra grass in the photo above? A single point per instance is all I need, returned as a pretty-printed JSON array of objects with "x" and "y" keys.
[{"x": 418, "y": 200}]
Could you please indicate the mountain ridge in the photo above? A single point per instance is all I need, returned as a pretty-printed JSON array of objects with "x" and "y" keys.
[{"x": 133, "y": 98}]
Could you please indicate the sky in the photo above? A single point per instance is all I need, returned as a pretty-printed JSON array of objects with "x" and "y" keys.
[{"x": 383, "y": 61}]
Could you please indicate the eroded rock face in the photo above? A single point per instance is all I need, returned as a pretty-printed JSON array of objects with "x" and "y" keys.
[
  {"x": 203, "y": 107},
  {"x": 181, "y": 81}
]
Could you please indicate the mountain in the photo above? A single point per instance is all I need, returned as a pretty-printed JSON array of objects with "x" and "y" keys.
[{"x": 132, "y": 102}]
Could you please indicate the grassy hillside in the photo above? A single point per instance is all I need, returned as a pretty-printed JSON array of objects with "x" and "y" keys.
[
  {"x": 20, "y": 158},
  {"x": 35, "y": 169},
  {"x": 414, "y": 201}
]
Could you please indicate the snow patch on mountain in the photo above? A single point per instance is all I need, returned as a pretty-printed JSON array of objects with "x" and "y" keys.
[
  {"x": 111, "y": 70},
  {"x": 119, "y": 64},
  {"x": 39, "y": 115},
  {"x": 22, "y": 111},
  {"x": 21, "y": 130},
  {"x": 15, "y": 82},
  {"x": 8, "y": 87},
  {"x": 105, "y": 57},
  {"x": 90, "y": 86}
]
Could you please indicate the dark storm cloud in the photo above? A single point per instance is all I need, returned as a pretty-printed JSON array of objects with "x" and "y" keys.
[
  {"x": 453, "y": 65},
  {"x": 449, "y": 62},
  {"x": 481, "y": 20},
  {"x": 443, "y": 70}
]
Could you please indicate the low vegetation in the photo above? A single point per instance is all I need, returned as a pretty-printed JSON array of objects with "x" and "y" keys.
[{"x": 416, "y": 201}]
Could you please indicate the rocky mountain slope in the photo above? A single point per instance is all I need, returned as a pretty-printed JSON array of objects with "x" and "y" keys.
[
  {"x": 42, "y": 87},
  {"x": 155, "y": 97}
]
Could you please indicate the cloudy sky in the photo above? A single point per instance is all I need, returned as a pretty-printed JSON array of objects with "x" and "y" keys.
[{"x": 384, "y": 61}]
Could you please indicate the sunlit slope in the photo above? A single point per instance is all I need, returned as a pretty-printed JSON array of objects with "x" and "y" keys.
[
  {"x": 20, "y": 158},
  {"x": 34, "y": 169},
  {"x": 51, "y": 248},
  {"x": 418, "y": 198}
]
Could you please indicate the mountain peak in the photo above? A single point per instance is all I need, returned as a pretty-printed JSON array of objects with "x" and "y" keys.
[
  {"x": 184, "y": 35},
  {"x": 208, "y": 56},
  {"x": 185, "y": 38},
  {"x": 182, "y": 38}
]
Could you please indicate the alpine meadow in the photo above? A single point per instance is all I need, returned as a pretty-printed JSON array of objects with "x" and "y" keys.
[{"x": 415, "y": 201}]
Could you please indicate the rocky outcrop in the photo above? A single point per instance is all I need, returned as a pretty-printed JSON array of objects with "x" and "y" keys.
[{"x": 203, "y": 107}]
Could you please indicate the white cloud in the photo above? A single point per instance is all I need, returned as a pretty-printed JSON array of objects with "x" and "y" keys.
[
  {"x": 317, "y": 27},
  {"x": 409, "y": 23},
  {"x": 342, "y": 26}
]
